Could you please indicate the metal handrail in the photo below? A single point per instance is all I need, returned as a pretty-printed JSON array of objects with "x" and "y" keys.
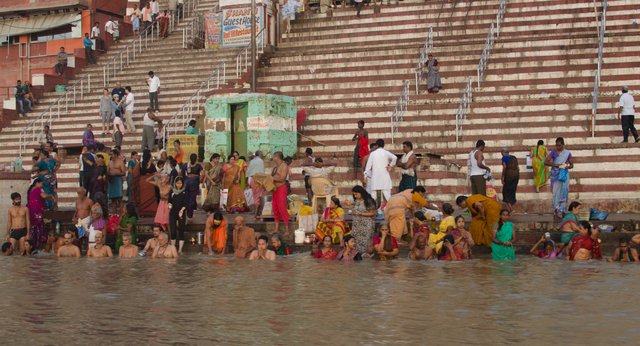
[
  {"x": 467, "y": 96},
  {"x": 423, "y": 57},
  {"x": 463, "y": 108},
  {"x": 401, "y": 107},
  {"x": 128, "y": 53},
  {"x": 242, "y": 58},
  {"x": 596, "y": 84},
  {"x": 29, "y": 134},
  {"x": 195, "y": 26},
  {"x": 182, "y": 116}
]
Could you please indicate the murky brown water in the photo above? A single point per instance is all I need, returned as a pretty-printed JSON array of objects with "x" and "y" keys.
[{"x": 198, "y": 300}]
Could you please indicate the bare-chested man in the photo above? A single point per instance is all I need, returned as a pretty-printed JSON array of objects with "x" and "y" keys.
[
  {"x": 244, "y": 238},
  {"x": 99, "y": 249},
  {"x": 153, "y": 243},
  {"x": 82, "y": 217},
  {"x": 18, "y": 224},
  {"x": 127, "y": 250},
  {"x": 164, "y": 249},
  {"x": 68, "y": 249},
  {"x": 419, "y": 248}
]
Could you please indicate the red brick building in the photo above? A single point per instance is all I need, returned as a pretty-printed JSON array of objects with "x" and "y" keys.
[{"x": 32, "y": 32}]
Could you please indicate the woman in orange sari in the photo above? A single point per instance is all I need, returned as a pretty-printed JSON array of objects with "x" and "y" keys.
[
  {"x": 485, "y": 213},
  {"x": 145, "y": 191},
  {"x": 332, "y": 223},
  {"x": 232, "y": 181},
  {"x": 215, "y": 234}
]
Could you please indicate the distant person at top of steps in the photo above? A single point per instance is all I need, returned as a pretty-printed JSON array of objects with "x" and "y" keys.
[
  {"x": 477, "y": 169},
  {"x": 154, "y": 89},
  {"x": 147, "y": 16},
  {"x": 379, "y": 164},
  {"x": 626, "y": 114},
  {"x": 361, "y": 137},
  {"x": 155, "y": 9},
  {"x": 88, "y": 50},
  {"x": 163, "y": 24}
]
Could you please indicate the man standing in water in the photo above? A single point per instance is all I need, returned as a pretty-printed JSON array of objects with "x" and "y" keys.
[
  {"x": 244, "y": 238},
  {"x": 262, "y": 252},
  {"x": 82, "y": 217},
  {"x": 127, "y": 250},
  {"x": 153, "y": 243},
  {"x": 99, "y": 249},
  {"x": 361, "y": 137},
  {"x": 68, "y": 249},
  {"x": 18, "y": 223},
  {"x": 164, "y": 250}
]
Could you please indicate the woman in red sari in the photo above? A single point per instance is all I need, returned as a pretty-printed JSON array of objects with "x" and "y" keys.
[
  {"x": 332, "y": 223},
  {"x": 327, "y": 252}
]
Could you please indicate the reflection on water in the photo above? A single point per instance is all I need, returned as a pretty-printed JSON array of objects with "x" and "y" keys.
[{"x": 200, "y": 300}]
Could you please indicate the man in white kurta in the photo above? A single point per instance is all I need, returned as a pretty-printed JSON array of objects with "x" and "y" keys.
[{"x": 377, "y": 172}]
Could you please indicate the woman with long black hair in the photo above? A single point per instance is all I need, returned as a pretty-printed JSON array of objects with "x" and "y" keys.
[
  {"x": 178, "y": 212},
  {"x": 363, "y": 224}
]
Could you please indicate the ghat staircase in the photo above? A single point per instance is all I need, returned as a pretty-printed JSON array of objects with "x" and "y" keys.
[{"x": 538, "y": 85}]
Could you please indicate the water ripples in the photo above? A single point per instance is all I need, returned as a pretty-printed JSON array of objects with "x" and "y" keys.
[{"x": 203, "y": 300}]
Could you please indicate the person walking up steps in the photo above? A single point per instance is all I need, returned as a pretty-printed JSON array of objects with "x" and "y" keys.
[
  {"x": 154, "y": 89},
  {"x": 626, "y": 115}
]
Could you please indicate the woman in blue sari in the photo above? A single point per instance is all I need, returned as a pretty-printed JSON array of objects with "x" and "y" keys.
[
  {"x": 47, "y": 172},
  {"x": 561, "y": 162}
]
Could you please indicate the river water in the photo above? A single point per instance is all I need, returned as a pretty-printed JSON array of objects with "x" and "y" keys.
[{"x": 198, "y": 300}]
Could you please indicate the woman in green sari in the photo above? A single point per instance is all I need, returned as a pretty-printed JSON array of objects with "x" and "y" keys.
[
  {"x": 503, "y": 239},
  {"x": 128, "y": 223},
  {"x": 540, "y": 171}
]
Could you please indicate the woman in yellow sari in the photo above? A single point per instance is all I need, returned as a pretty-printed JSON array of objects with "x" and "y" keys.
[
  {"x": 485, "y": 213},
  {"x": 232, "y": 180},
  {"x": 540, "y": 171},
  {"x": 332, "y": 223}
]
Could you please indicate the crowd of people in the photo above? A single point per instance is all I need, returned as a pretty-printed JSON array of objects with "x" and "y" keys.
[{"x": 167, "y": 188}]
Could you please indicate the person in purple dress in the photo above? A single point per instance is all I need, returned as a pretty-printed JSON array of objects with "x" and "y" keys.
[{"x": 36, "y": 205}]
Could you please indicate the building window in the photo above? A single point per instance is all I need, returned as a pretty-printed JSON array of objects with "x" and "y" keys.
[
  {"x": 72, "y": 30},
  {"x": 7, "y": 40}
]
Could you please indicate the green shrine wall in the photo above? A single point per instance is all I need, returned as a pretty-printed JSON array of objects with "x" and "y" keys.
[{"x": 270, "y": 124}]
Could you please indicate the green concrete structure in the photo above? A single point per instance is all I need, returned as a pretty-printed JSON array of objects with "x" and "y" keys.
[{"x": 250, "y": 122}]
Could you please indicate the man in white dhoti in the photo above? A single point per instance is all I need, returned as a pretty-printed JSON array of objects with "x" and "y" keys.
[{"x": 377, "y": 170}]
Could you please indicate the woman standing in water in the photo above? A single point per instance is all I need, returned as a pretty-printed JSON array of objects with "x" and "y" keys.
[
  {"x": 36, "y": 205},
  {"x": 327, "y": 252},
  {"x": 503, "y": 238},
  {"x": 560, "y": 161},
  {"x": 363, "y": 224},
  {"x": 540, "y": 170},
  {"x": 177, "y": 213},
  {"x": 350, "y": 253}
]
